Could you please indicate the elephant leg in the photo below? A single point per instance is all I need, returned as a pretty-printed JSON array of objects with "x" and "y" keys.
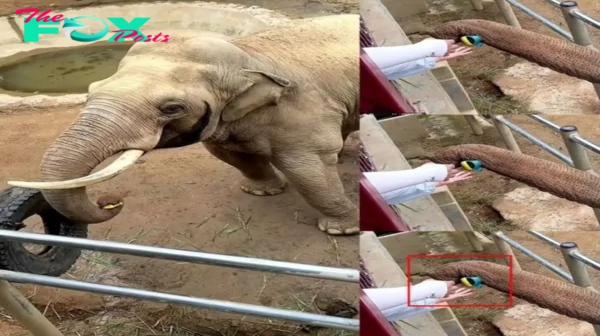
[
  {"x": 341, "y": 152},
  {"x": 260, "y": 178},
  {"x": 316, "y": 179}
]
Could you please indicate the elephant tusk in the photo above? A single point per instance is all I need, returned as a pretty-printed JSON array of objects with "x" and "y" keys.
[{"x": 126, "y": 160}]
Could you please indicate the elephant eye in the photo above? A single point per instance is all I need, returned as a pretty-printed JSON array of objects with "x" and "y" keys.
[{"x": 172, "y": 108}]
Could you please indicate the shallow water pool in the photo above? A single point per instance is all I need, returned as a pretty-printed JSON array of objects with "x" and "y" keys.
[{"x": 68, "y": 71}]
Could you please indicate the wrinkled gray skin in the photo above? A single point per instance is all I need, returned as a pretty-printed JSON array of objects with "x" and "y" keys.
[{"x": 285, "y": 97}]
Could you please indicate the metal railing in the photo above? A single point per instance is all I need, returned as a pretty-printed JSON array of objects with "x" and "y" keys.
[
  {"x": 576, "y": 144},
  {"x": 575, "y": 19},
  {"x": 575, "y": 260},
  {"x": 19, "y": 307}
]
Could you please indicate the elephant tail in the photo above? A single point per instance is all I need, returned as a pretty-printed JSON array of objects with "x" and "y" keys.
[
  {"x": 559, "y": 296},
  {"x": 550, "y": 52},
  {"x": 557, "y": 179}
]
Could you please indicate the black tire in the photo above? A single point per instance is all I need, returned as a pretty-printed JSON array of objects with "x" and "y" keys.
[{"x": 18, "y": 204}]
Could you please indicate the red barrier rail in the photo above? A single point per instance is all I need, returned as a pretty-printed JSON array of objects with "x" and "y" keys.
[
  {"x": 378, "y": 95},
  {"x": 372, "y": 322},
  {"x": 375, "y": 213}
]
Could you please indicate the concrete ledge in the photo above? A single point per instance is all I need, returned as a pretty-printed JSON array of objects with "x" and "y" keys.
[
  {"x": 422, "y": 88},
  {"x": 178, "y": 19},
  {"x": 386, "y": 273},
  {"x": 8, "y": 36},
  {"x": 406, "y": 132},
  {"x": 422, "y": 214}
]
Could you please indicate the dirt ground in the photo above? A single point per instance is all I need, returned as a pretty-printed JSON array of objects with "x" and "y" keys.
[
  {"x": 478, "y": 321},
  {"x": 185, "y": 198},
  {"x": 476, "y": 71},
  {"x": 477, "y": 195},
  {"x": 292, "y": 8}
]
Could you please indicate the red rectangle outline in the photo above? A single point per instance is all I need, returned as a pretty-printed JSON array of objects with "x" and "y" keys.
[{"x": 446, "y": 305}]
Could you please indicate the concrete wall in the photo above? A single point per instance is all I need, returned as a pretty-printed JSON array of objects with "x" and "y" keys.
[{"x": 405, "y": 8}]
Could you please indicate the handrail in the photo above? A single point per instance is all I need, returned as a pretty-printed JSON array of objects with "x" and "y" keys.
[
  {"x": 575, "y": 20},
  {"x": 533, "y": 139},
  {"x": 558, "y": 29},
  {"x": 219, "y": 305},
  {"x": 575, "y": 260},
  {"x": 576, "y": 144},
  {"x": 532, "y": 255},
  {"x": 38, "y": 325},
  {"x": 254, "y": 264}
]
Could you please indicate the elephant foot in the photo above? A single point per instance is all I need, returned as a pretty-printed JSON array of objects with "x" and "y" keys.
[
  {"x": 339, "y": 227},
  {"x": 270, "y": 187}
]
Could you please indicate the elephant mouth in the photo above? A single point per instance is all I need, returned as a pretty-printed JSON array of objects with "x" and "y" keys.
[{"x": 124, "y": 161}]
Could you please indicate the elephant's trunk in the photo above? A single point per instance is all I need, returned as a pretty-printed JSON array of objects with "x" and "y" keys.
[
  {"x": 557, "y": 179},
  {"x": 553, "y": 53},
  {"x": 75, "y": 154},
  {"x": 559, "y": 296}
]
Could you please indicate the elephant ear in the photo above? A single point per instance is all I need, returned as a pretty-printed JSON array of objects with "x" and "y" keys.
[{"x": 263, "y": 89}]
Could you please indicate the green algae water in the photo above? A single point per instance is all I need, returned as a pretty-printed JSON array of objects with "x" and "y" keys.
[{"x": 62, "y": 72}]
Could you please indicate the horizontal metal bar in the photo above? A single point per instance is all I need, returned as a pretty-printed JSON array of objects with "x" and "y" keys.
[
  {"x": 532, "y": 138},
  {"x": 255, "y": 264},
  {"x": 535, "y": 257},
  {"x": 545, "y": 238},
  {"x": 225, "y": 306},
  {"x": 585, "y": 143},
  {"x": 585, "y": 18},
  {"x": 545, "y": 122},
  {"x": 554, "y": 3},
  {"x": 558, "y": 29},
  {"x": 586, "y": 260}
]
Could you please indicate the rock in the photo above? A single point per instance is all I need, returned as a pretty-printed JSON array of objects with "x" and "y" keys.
[
  {"x": 517, "y": 321},
  {"x": 531, "y": 209},
  {"x": 546, "y": 91}
]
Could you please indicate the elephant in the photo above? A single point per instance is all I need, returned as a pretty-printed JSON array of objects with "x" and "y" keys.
[
  {"x": 286, "y": 97},
  {"x": 553, "y": 53}
]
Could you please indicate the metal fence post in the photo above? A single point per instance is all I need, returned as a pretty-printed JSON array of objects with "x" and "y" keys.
[
  {"x": 18, "y": 307},
  {"x": 576, "y": 151},
  {"x": 472, "y": 238},
  {"x": 578, "y": 270},
  {"x": 507, "y": 12},
  {"x": 578, "y": 30},
  {"x": 578, "y": 154},
  {"x": 507, "y": 136},
  {"x": 504, "y": 248}
]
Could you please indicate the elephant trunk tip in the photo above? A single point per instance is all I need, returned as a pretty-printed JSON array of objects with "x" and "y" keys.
[
  {"x": 110, "y": 202},
  {"x": 76, "y": 205}
]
